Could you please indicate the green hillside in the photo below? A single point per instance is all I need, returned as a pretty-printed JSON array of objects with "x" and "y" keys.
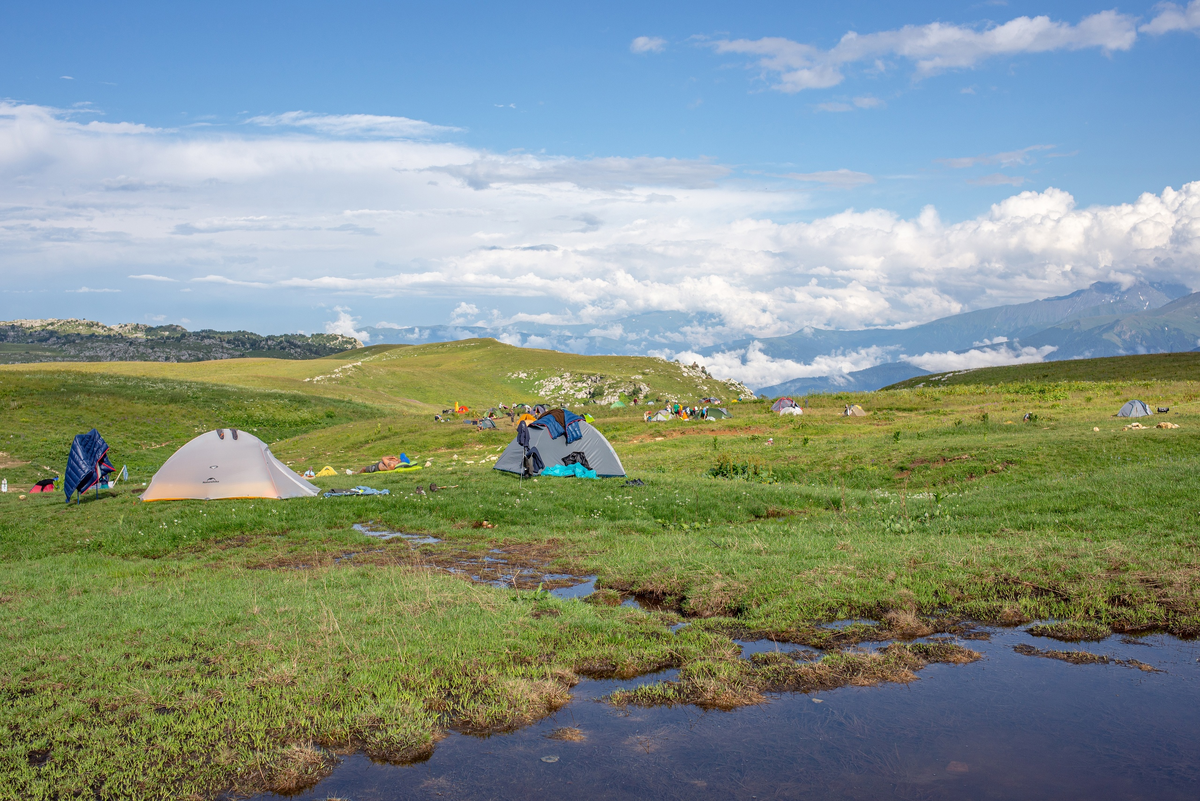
[
  {"x": 478, "y": 372},
  {"x": 1150, "y": 367}
]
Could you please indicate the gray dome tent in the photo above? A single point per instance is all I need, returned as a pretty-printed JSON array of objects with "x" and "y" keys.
[
  {"x": 595, "y": 449},
  {"x": 1135, "y": 408}
]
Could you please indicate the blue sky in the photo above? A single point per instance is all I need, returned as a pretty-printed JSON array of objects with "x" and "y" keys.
[{"x": 281, "y": 167}]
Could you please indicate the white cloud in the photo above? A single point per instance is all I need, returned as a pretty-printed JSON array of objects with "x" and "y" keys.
[
  {"x": 1172, "y": 17},
  {"x": 647, "y": 44},
  {"x": 84, "y": 289},
  {"x": 344, "y": 325},
  {"x": 152, "y": 277},
  {"x": 843, "y": 178},
  {"x": 756, "y": 369},
  {"x": 1007, "y": 159},
  {"x": 834, "y": 106},
  {"x": 463, "y": 312},
  {"x": 998, "y": 357},
  {"x": 933, "y": 48},
  {"x": 367, "y": 125},
  {"x": 265, "y": 211},
  {"x": 868, "y": 102}
]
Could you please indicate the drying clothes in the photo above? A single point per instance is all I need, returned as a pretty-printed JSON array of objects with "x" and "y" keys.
[
  {"x": 533, "y": 462},
  {"x": 575, "y": 470},
  {"x": 577, "y": 457},
  {"x": 559, "y": 422}
]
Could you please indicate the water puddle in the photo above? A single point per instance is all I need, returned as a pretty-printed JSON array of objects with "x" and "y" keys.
[
  {"x": 576, "y": 591},
  {"x": 1009, "y": 726},
  {"x": 751, "y": 647},
  {"x": 412, "y": 539}
]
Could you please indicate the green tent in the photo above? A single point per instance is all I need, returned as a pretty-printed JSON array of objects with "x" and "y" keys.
[{"x": 616, "y": 405}]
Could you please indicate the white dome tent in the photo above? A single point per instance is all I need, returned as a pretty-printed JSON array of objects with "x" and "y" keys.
[{"x": 225, "y": 463}]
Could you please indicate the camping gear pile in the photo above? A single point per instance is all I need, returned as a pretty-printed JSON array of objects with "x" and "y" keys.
[
  {"x": 226, "y": 463},
  {"x": 675, "y": 410},
  {"x": 560, "y": 443},
  {"x": 355, "y": 491}
]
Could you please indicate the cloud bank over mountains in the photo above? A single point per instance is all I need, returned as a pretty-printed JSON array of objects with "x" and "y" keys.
[{"x": 339, "y": 208}]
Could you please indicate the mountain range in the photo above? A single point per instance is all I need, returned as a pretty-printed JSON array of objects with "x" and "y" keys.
[
  {"x": 1105, "y": 319},
  {"x": 88, "y": 341}
]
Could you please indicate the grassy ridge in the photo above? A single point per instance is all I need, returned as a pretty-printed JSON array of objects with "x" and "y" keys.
[
  {"x": 425, "y": 378},
  {"x": 249, "y": 641},
  {"x": 1122, "y": 369}
]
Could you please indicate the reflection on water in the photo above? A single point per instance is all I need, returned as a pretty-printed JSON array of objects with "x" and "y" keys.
[{"x": 1006, "y": 727}]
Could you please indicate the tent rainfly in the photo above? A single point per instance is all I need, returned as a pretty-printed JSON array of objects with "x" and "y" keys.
[
  {"x": 617, "y": 405},
  {"x": 783, "y": 403},
  {"x": 1135, "y": 408},
  {"x": 718, "y": 414},
  {"x": 854, "y": 410},
  {"x": 591, "y": 450},
  {"x": 225, "y": 463}
]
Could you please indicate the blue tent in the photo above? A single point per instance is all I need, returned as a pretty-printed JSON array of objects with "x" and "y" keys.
[{"x": 87, "y": 464}]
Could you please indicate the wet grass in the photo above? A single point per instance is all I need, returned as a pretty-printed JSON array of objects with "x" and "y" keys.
[
  {"x": 731, "y": 682},
  {"x": 187, "y": 649}
]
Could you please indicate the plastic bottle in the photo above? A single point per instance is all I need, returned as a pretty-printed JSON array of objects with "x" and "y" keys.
[{"x": 4, "y": 485}]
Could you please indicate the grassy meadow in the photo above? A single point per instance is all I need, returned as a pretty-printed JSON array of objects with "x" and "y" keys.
[{"x": 188, "y": 649}]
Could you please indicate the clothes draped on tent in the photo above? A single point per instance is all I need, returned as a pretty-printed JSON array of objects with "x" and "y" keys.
[
  {"x": 559, "y": 422},
  {"x": 215, "y": 466},
  {"x": 87, "y": 464}
]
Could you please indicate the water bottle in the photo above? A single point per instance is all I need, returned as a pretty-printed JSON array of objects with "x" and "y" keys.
[{"x": 4, "y": 485}]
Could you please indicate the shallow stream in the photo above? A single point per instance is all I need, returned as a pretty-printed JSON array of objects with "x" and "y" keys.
[{"x": 1009, "y": 726}]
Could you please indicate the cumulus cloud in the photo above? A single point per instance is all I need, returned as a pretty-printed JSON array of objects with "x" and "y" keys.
[
  {"x": 152, "y": 277},
  {"x": 1173, "y": 17},
  {"x": 463, "y": 312},
  {"x": 977, "y": 357},
  {"x": 756, "y": 369},
  {"x": 647, "y": 44},
  {"x": 267, "y": 214},
  {"x": 345, "y": 325},
  {"x": 794, "y": 67}
]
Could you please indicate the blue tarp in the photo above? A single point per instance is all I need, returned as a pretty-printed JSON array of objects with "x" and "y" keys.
[
  {"x": 87, "y": 464},
  {"x": 565, "y": 470}
]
